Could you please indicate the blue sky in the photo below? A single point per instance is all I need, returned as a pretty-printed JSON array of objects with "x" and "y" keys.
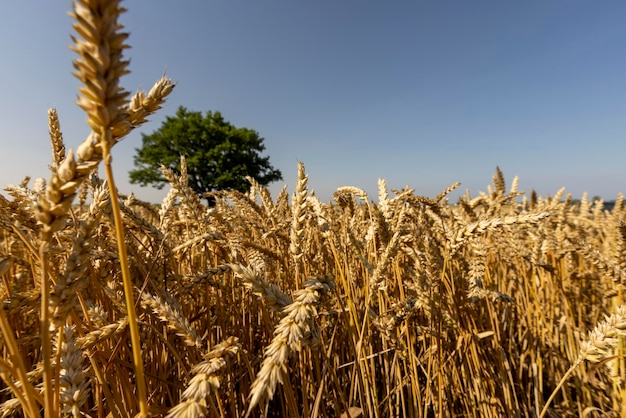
[{"x": 424, "y": 93}]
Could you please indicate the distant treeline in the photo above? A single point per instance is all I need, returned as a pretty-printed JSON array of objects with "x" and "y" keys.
[
  {"x": 609, "y": 205},
  {"x": 606, "y": 205}
]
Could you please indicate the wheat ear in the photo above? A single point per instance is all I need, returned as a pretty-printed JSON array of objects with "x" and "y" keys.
[
  {"x": 205, "y": 381},
  {"x": 171, "y": 316},
  {"x": 296, "y": 231},
  {"x": 56, "y": 138},
  {"x": 274, "y": 298},
  {"x": 193, "y": 207},
  {"x": 600, "y": 345},
  {"x": 479, "y": 228},
  {"x": 295, "y": 330},
  {"x": 28, "y": 395},
  {"x": 74, "y": 386}
]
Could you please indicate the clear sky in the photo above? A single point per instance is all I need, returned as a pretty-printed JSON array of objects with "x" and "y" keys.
[{"x": 424, "y": 93}]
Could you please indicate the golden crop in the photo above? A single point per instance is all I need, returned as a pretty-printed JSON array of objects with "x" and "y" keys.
[{"x": 405, "y": 306}]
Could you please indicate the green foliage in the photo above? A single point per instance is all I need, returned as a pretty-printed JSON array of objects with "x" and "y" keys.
[{"x": 219, "y": 155}]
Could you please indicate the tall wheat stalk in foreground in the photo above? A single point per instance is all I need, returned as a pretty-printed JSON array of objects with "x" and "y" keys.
[{"x": 111, "y": 116}]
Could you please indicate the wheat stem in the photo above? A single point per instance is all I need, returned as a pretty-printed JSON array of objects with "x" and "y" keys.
[
  {"x": 556, "y": 390},
  {"x": 128, "y": 284},
  {"x": 44, "y": 323},
  {"x": 30, "y": 407}
]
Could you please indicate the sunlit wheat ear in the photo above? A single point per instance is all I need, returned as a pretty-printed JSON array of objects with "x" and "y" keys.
[
  {"x": 171, "y": 316},
  {"x": 205, "y": 380},
  {"x": 165, "y": 215},
  {"x": 298, "y": 206},
  {"x": 383, "y": 198},
  {"x": 73, "y": 382},
  {"x": 295, "y": 330},
  {"x": 53, "y": 206},
  {"x": 11, "y": 408},
  {"x": 479, "y": 228},
  {"x": 446, "y": 192},
  {"x": 73, "y": 280},
  {"x": 25, "y": 197},
  {"x": 102, "y": 333},
  {"x": 99, "y": 67},
  {"x": 193, "y": 209},
  {"x": 274, "y": 298},
  {"x": 246, "y": 205},
  {"x": 263, "y": 192},
  {"x": 321, "y": 214},
  {"x": 56, "y": 138},
  {"x": 134, "y": 220},
  {"x": 345, "y": 200},
  {"x": 604, "y": 264},
  {"x": 142, "y": 105},
  {"x": 604, "y": 338},
  {"x": 514, "y": 185},
  {"x": 100, "y": 64},
  {"x": 599, "y": 346},
  {"x": 377, "y": 280},
  {"x": 476, "y": 274},
  {"x": 498, "y": 182}
]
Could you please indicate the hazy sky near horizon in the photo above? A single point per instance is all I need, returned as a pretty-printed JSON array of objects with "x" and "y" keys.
[{"x": 420, "y": 93}]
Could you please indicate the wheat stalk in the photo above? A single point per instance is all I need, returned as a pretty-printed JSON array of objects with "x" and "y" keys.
[{"x": 99, "y": 67}]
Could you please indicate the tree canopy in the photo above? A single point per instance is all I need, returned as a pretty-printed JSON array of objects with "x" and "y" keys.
[{"x": 218, "y": 155}]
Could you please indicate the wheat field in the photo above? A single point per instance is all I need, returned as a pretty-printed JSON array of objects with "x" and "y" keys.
[{"x": 396, "y": 305}]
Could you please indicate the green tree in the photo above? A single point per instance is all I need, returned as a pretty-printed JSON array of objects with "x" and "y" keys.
[{"x": 218, "y": 154}]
